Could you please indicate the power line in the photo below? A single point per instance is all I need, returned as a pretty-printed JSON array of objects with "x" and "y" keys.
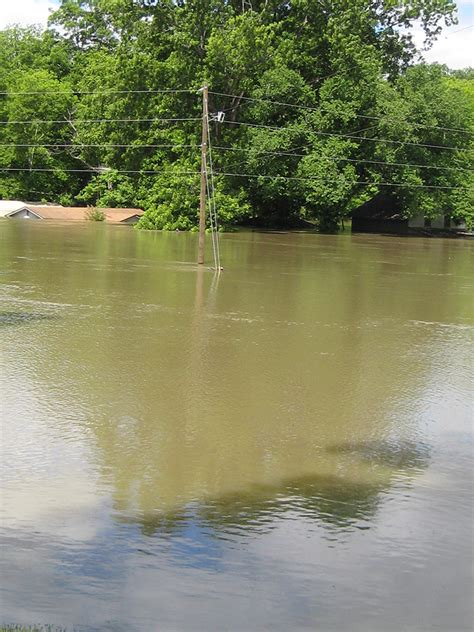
[
  {"x": 459, "y": 30},
  {"x": 255, "y": 125},
  {"x": 388, "y": 184},
  {"x": 375, "y": 140},
  {"x": 102, "y": 120},
  {"x": 100, "y": 92},
  {"x": 98, "y": 170},
  {"x": 96, "y": 145},
  {"x": 189, "y": 90},
  {"x": 239, "y": 175},
  {"x": 141, "y": 91},
  {"x": 45, "y": 193},
  {"x": 337, "y": 159},
  {"x": 239, "y": 97},
  {"x": 290, "y": 153},
  {"x": 315, "y": 109},
  {"x": 335, "y": 73}
]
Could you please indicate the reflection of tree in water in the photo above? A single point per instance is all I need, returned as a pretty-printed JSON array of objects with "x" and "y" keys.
[
  {"x": 166, "y": 524},
  {"x": 238, "y": 399},
  {"x": 331, "y": 501},
  {"x": 335, "y": 502},
  {"x": 392, "y": 453}
]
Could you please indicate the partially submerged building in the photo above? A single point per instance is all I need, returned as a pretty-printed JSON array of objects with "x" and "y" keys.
[
  {"x": 10, "y": 206},
  {"x": 381, "y": 214},
  {"x": 25, "y": 210}
]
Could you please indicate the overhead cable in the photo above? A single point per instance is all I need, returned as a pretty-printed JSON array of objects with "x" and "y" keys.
[
  {"x": 289, "y": 154},
  {"x": 99, "y": 170},
  {"x": 388, "y": 184},
  {"x": 224, "y": 173},
  {"x": 375, "y": 140},
  {"x": 99, "y": 92},
  {"x": 318, "y": 108},
  {"x": 97, "y": 145},
  {"x": 100, "y": 120},
  {"x": 464, "y": 28}
]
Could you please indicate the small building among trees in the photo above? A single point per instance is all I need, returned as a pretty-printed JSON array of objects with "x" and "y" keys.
[{"x": 382, "y": 214}]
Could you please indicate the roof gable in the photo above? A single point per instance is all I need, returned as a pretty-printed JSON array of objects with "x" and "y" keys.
[{"x": 9, "y": 206}]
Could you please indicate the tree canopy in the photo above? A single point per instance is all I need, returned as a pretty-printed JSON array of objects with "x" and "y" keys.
[{"x": 326, "y": 106}]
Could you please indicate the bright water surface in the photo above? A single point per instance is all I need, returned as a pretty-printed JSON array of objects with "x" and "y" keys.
[{"x": 287, "y": 446}]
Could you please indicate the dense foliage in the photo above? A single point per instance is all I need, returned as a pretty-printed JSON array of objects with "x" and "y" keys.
[{"x": 369, "y": 119}]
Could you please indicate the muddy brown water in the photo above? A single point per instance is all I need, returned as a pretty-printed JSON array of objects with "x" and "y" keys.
[{"x": 285, "y": 446}]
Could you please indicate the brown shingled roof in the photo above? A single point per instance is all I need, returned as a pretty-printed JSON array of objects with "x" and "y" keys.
[
  {"x": 120, "y": 214},
  {"x": 79, "y": 213}
]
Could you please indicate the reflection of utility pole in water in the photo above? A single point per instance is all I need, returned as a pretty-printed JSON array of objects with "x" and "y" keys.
[
  {"x": 199, "y": 314},
  {"x": 200, "y": 393},
  {"x": 198, "y": 298}
]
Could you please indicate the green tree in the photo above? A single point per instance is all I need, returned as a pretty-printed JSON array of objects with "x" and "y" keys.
[{"x": 114, "y": 72}]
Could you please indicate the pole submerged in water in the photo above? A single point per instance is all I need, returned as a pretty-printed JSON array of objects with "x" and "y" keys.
[{"x": 202, "y": 200}]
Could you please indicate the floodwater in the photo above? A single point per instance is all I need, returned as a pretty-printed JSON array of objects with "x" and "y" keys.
[{"x": 285, "y": 446}]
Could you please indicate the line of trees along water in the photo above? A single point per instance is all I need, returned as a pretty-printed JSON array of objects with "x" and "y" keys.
[{"x": 372, "y": 113}]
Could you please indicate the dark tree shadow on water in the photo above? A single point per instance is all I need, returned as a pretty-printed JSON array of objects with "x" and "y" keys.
[
  {"x": 167, "y": 524},
  {"x": 332, "y": 501},
  {"x": 336, "y": 502},
  {"x": 8, "y": 319},
  {"x": 393, "y": 453}
]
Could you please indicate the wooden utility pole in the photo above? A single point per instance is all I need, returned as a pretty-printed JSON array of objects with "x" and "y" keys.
[{"x": 202, "y": 203}]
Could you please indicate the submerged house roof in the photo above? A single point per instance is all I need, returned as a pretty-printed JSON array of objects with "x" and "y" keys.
[
  {"x": 56, "y": 212},
  {"x": 74, "y": 213},
  {"x": 121, "y": 214},
  {"x": 9, "y": 206}
]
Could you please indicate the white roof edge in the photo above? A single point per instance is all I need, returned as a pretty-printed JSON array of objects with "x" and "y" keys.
[{"x": 8, "y": 206}]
